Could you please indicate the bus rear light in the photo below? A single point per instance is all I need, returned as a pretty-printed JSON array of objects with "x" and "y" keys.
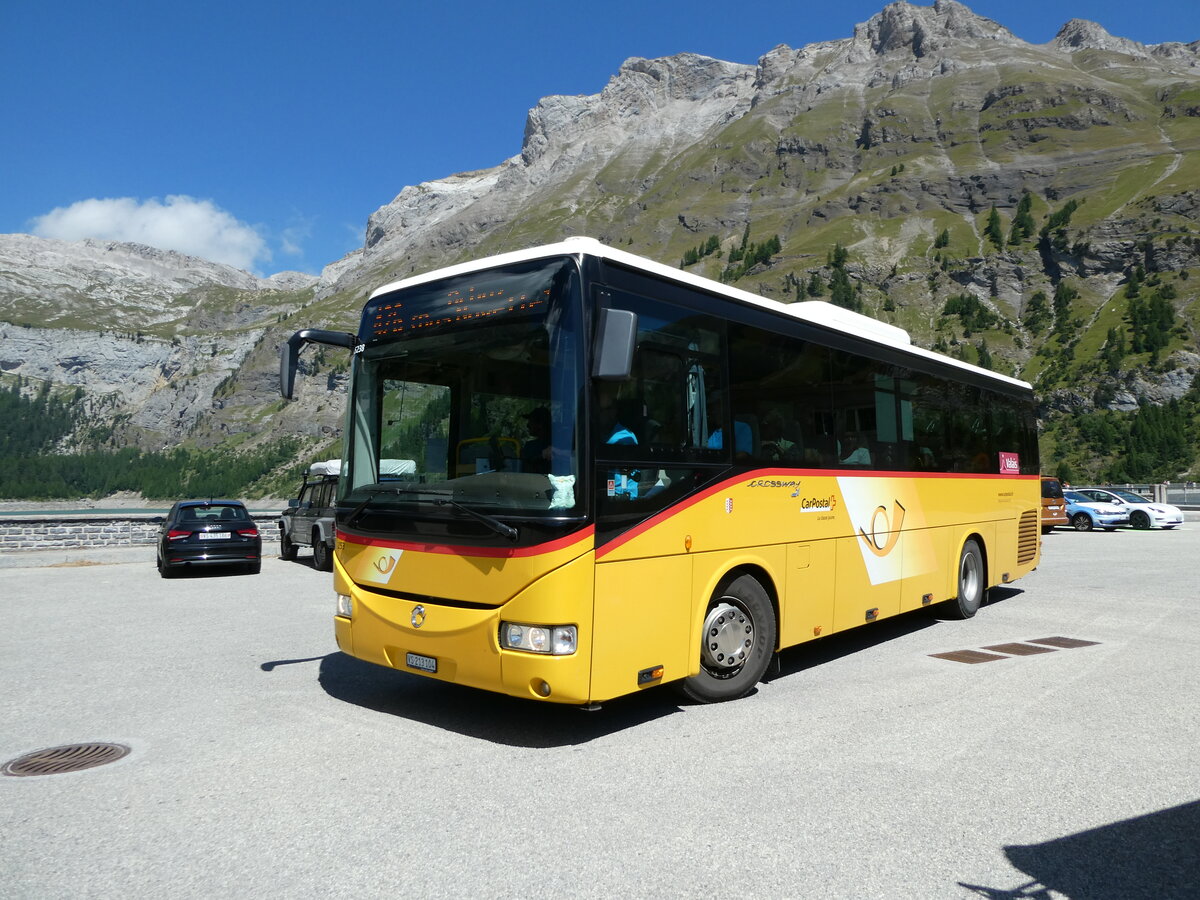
[{"x": 554, "y": 640}]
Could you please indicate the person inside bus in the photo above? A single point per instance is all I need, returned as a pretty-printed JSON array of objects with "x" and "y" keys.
[
  {"x": 619, "y": 418},
  {"x": 535, "y": 452},
  {"x": 743, "y": 438},
  {"x": 854, "y": 450},
  {"x": 628, "y": 419},
  {"x": 776, "y": 446}
]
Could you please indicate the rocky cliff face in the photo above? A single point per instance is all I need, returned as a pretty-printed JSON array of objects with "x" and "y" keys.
[
  {"x": 149, "y": 336},
  {"x": 112, "y": 284},
  {"x": 897, "y": 143},
  {"x": 578, "y": 153},
  {"x": 977, "y": 115}
]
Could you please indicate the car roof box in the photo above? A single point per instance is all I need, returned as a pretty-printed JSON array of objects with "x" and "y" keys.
[
  {"x": 326, "y": 467},
  {"x": 395, "y": 467}
]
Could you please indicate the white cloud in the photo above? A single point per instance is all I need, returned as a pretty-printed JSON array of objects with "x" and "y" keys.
[{"x": 191, "y": 226}]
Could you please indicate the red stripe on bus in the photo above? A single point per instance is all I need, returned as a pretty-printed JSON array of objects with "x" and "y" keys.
[
  {"x": 580, "y": 537},
  {"x": 752, "y": 475}
]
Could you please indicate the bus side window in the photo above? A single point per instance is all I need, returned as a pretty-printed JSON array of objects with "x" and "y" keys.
[
  {"x": 780, "y": 391},
  {"x": 674, "y": 380}
]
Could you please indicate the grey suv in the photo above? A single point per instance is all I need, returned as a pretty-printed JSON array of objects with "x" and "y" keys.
[{"x": 308, "y": 520}]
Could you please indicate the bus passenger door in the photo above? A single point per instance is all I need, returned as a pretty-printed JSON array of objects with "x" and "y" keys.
[{"x": 641, "y": 622}]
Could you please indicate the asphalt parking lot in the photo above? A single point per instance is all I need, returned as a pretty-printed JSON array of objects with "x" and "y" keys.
[{"x": 870, "y": 764}]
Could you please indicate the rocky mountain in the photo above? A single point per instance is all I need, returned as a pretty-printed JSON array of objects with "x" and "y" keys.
[{"x": 1054, "y": 186}]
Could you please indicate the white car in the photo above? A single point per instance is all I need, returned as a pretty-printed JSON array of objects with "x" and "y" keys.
[{"x": 1143, "y": 513}]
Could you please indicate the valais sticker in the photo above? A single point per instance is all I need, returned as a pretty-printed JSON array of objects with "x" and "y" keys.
[{"x": 1010, "y": 464}]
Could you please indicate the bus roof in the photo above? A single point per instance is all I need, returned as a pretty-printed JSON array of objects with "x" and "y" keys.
[{"x": 816, "y": 312}]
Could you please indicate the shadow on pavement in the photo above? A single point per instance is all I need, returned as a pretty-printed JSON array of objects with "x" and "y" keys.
[
  {"x": 835, "y": 646},
  {"x": 526, "y": 723},
  {"x": 1152, "y": 856},
  {"x": 482, "y": 714}
]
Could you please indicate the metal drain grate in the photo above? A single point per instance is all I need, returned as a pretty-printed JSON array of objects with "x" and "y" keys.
[
  {"x": 1065, "y": 642},
  {"x": 968, "y": 656},
  {"x": 67, "y": 758},
  {"x": 1015, "y": 648}
]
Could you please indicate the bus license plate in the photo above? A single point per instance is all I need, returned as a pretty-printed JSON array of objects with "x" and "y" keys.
[{"x": 424, "y": 663}]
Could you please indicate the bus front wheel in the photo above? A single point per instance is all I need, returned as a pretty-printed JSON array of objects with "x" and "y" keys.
[
  {"x": 737, "y": 643},
  {"x": 970, "y": 583}
]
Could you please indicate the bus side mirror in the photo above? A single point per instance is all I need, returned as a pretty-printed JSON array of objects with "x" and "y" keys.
[
  {"x": 616, "y": 337},
  {"x": 289, "y": 353},
  {"x": 287, "y": 369}
]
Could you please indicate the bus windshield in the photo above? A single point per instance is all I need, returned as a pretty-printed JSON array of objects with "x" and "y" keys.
[{"x": 465, "y": 409}]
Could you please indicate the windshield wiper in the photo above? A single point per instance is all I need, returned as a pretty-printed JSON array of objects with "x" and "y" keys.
[
  {"x": 501, "y": 528},
  {"x": 372, "y": 493}
]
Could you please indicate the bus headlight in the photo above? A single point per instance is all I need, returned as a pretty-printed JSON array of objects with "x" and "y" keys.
[
  {"x": 345, "y": 606},
  {"x": 555, "y": 640}
]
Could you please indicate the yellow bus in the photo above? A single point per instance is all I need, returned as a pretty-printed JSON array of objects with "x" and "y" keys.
[{"x": 571, "y": 473}]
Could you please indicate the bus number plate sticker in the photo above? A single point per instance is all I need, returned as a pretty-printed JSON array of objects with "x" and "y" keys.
[{"x": 424, "y": 663}]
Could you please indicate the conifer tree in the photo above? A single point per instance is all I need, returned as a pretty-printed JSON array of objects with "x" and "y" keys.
[
  {"x": 992, "y": 231},
  {"x": 1037, "y": 312},
  {"x": 1023, "y": 226}
]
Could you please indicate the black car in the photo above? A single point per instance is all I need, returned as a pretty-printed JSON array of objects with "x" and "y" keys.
[{"x": 200, "y": 533}]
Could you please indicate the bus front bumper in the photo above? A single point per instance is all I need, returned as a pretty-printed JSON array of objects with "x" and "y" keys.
[{"x": 462, "y": 645}]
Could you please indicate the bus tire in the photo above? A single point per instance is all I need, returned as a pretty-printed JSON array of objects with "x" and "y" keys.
[
  {"x": 322, "y": 560},
  {"x": 737, "y": 643},
  {"x": 970, "y": 583},
  {"x": 287, "y": 550}
]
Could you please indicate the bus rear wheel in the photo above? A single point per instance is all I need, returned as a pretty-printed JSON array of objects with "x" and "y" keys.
[
  {"x": 970, "y": 583},
  {"x": 736, "y": 645}
]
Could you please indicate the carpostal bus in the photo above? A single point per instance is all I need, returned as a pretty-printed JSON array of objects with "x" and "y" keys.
[{"x": 571, "y": 474}]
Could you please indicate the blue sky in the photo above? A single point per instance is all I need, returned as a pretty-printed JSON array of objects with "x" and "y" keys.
[{"x": 264, "y": 134}]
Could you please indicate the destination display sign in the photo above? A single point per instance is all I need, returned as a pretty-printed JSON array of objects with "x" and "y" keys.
[{"x": 486, "y": 297}]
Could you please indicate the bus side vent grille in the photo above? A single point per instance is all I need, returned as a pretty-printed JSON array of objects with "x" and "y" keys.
[{"x": 1027, "y": 537}]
